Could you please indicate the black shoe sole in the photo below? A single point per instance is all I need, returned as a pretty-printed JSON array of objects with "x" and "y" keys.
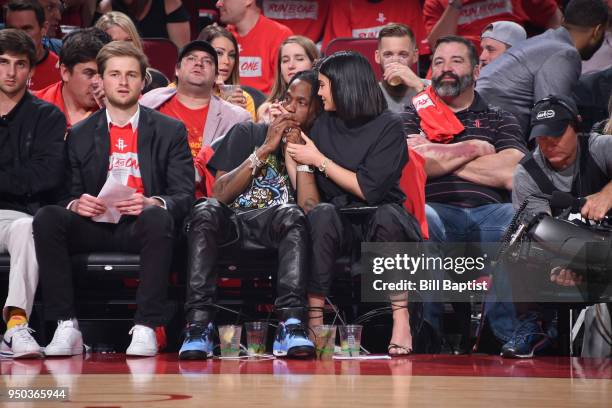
[
  {"x": 192, "y": 355},
  {"x": 303, "y": 352}
]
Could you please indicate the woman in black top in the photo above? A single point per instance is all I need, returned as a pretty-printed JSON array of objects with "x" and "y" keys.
[
  {"x": 359, "y": 149},
  {"x": 154, "y": 18}
]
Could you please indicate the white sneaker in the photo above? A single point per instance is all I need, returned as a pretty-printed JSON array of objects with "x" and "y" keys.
[
  {"x": 144, "y": 342},
  {"x": 19, "y": 343},
  {"x": 67, "y": 340}
]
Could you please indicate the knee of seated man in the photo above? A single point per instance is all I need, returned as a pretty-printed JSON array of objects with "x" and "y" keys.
[
  {"x": 48, "y": 216},
  {"x": 206, "y": 211},
  {"x": 156, "y": 219},
  {"x": 21, "y": 226},
  {"x": 322, "y": 213},
  {"x": 291, "y": 213}
]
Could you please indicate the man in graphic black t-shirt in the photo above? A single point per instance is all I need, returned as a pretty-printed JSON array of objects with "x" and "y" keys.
[{"x": 253, "y": 204}]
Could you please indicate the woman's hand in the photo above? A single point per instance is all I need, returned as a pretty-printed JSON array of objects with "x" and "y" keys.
[
  {"x": 305, "y": 153},
  {"x": 238, "y": 98}
]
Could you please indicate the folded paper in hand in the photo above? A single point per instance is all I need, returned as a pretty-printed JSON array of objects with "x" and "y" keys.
[{"x": 112, "y": 192}]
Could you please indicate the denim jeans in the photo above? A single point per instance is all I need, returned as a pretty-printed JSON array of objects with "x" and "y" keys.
[{"x": 487, "y": 223}]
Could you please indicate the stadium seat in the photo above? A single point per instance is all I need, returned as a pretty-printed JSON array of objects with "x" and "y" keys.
[
  {"x": 364, "y": 46},
  {"x": 162, "y": 54}
]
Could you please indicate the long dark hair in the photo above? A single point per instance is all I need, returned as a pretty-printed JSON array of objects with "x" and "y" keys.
[{"x": 356, "y": 93}]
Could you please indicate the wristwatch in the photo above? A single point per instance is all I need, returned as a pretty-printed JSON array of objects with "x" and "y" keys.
[
  {"x": 304, "y": 168},
  {"x": 456, "y": 4}
]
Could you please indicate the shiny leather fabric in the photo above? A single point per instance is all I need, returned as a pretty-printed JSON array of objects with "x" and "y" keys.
[{"x": 212, "y": 226}]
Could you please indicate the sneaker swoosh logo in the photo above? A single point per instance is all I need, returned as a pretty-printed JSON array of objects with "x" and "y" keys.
[{"x": 10, "y": 344}]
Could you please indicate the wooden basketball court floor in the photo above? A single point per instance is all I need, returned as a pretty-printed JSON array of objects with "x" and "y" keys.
[{"x": 109, "y": 380}]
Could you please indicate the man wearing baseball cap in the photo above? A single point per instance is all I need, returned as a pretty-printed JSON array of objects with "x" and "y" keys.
[
  {"x": 192, "y": 101},
  {"x": 567, "y": 161},
  {"x": 497, "y": 38}
]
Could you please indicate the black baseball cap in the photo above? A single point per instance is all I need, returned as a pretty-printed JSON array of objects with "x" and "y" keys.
[
  {"x": 551, "y": 116},
  {"x": 201, "y": 46}
]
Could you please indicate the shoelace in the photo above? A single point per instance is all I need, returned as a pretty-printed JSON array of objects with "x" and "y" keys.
[
  {"x": 61, "y": 333},
  {"x": 196, "y": 331},
  {"x": 525, "y": 329},
  {"x": 139, "y": 335},
  {"x": 23, "y": 334},
  {"x": 296, "y": 330}
]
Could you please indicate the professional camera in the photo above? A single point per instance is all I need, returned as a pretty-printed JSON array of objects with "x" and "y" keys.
[{"x": 540, "y": 242}]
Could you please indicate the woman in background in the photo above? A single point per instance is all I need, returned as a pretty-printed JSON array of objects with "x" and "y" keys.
[
  {"x": 359, "y": 148},
  {"x": 121, "y": 28},
  {"x": 227, "y": 52},
  {"x": 295, "y": 54},
  {"x": 154, "y": 18}
]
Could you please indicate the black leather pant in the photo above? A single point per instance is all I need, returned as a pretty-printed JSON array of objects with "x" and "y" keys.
[
  {"x": 334, "y": 234},
  {"x": 212, "y": 225}
]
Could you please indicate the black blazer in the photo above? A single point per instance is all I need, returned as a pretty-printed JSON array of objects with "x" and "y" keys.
[
  {"x": 166, "y": 164},
  {"x": 36, "y": 133}
]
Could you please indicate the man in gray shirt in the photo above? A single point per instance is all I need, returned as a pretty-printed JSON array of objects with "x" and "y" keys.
[
  {"x": 547, "y": 64},
  {"x": 563, "y": 160},
  {"x": 396, "y": 53}
]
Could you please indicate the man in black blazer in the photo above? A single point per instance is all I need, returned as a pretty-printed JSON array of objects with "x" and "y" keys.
[{"x": 137, "y": 147}]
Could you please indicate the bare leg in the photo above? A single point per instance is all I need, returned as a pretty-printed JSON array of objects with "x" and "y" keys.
[
  {"x": 315, "y": 311},
  {"x": 401, "y": 338}
]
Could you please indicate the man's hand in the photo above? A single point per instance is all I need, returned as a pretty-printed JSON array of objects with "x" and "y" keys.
[
  {"x": 135, "y": 204},
  {"x": 481, "y": 147},
  {"x": 276, "y": 130},
  {"x": 88, "y": 206},
  {"x": 597, "y": 206},
  {"x": 408, "y": 77},
  {"x": 565, "y": 277},
  {"x": 417, "y": 140},
  {"x": 306, "y": 153}
]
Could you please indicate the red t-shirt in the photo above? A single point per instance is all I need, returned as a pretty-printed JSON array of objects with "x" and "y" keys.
[
  {"x": 46, "y": 72},
  {"x": 193, "y": 119},
  {"x": 258, "y": 51},
  {"x": 53, "y": 95},
  {"x": 477, "y": 14},
  {"x": 123, "y": 161},
  {"x": 362, "y": 19},
  {"x": 303, "y": 17}
]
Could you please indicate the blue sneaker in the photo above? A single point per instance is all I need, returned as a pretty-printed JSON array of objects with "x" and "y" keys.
[
  {"x": 528, "y": 338},
  {"x": 292, "y": 341},
  {"x": 198, "y": 343}
]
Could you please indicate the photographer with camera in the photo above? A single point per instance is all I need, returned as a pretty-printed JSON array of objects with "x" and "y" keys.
[{"x": 564, "y": 160}]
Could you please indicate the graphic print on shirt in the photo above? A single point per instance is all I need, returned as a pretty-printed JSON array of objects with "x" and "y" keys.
[
  {"x": 272, "y": 187},
  {"x": 250, "y": 67},
  {"x": 484, "y": 9},
  {"x": 288, "y": 10},
  {"x": 123, "y": 160}
]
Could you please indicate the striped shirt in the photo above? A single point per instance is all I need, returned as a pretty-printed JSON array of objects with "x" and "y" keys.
[{"x": 481, "y": 122}]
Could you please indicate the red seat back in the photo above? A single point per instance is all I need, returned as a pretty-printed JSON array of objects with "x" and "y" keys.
[
  {"x": 162, "y": 55},
  {"x": 364, "y": 46}
]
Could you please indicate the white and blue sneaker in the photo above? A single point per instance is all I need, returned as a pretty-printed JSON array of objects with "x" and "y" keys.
[
  {"x": 292, "y": 341},
  {"x": 198, "y": 343},
  {"x": 19, "y": 343}
]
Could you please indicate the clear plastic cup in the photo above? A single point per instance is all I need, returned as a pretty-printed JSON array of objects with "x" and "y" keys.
[
  {"x": 229, "y": 337},
  {"x": 227, "y": 91},
  {"x": 256, "y": 333},
  {"x": 325, "y": 341},
  {"x": 350, "y": 340}
]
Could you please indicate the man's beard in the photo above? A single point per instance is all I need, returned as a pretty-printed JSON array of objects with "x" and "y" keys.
[
  {"x": 446, "y": 89},
  {"x": 586, "y": 54}
]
